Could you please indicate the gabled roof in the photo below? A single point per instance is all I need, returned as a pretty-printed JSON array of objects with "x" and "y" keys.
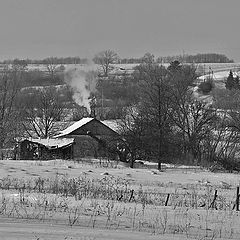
[
  {"x": 74, "y": 127},
  {"x": 83, "y": 122},
  {"x": 113, "y": 124},
  {"x": 51, "y": 143}
]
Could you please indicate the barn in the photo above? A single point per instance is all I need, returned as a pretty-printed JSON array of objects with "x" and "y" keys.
[{"x": 92, "y": 138}]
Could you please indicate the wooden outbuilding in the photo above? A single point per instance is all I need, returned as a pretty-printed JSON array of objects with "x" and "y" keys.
[
  {"x": 44, "y": 149},
  {"x": 92, "y": 138}
]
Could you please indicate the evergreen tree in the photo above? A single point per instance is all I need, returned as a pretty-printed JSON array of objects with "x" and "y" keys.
[{"x": 230, "y": 83}]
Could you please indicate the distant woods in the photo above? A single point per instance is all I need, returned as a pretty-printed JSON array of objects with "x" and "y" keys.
[
  {"x": 197, "y": 58},
  {"x": 187, "y": 58},
  {"x": 56, "y": 60}
]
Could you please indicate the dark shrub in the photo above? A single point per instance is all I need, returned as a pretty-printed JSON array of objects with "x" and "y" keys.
[{"x": 206, "y": 86}]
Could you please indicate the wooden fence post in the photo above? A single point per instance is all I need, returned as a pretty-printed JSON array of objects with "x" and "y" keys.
[
  {"x": 131, "y": 196},
  {"x": 213, "y": 201},
  {"x": 166, "y": 202},
  {"x": 237, "y": 199},
  {"x": 236, "y": 204}
]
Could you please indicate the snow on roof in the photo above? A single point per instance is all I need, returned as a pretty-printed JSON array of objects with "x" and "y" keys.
[
  {"x": 112, "y": 124},
  {"x": 52, "y": 143},
  {"x": 74, "y": 127}
]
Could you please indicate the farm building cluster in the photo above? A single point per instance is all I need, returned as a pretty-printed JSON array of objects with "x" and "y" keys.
[{"x": 87, "y": 137}]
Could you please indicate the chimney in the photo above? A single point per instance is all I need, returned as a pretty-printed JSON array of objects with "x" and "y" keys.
[{"x": 93, "y": 104}]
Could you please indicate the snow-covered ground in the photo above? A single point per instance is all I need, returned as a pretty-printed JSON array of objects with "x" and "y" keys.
[
  {"x": 218, "y": 76},
  {"x": 205, "y": 66},
  {"x": 110, "y": 219}
]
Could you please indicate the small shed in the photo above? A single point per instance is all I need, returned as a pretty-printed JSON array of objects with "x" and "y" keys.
[
  {"x": 92, "y": 138},
  {"x": 44, "y": 149}
]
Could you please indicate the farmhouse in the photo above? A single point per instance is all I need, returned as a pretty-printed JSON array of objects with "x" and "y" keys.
[
  {"x": 28, "y": 149},
  {"x": 92, "y": 138}
]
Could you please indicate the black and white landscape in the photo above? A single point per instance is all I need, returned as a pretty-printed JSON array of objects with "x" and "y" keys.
[{"x": 119, "y": 119}]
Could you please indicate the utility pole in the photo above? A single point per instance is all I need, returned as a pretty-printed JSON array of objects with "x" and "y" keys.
[{"x": 101, "y": 117}]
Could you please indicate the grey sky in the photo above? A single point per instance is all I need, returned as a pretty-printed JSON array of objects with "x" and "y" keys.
[{"x": 42, "y": 28}]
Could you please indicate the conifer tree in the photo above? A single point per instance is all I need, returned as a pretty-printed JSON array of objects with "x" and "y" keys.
[{"x": 230, "y": 83}]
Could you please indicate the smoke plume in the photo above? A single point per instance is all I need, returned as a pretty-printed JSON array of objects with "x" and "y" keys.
[{"x": 82, "y": 83}]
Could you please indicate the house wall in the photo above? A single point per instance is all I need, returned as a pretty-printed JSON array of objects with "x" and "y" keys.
[
  {"x": 26, "y": 150},
  {"x": 29, "y": 151},
  {"x": 59, "y": 153},
  {"x": 84, "y": 146}
]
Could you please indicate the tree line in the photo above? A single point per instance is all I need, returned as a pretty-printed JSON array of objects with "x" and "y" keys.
[
  {"x": 55, "y": 60},
  {"x": 188, "y": 58}
]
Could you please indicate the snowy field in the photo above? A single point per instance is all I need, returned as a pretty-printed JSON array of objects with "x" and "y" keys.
[
  {"x": 176, "y": 203},
  {"x": 128, "y": 67}
]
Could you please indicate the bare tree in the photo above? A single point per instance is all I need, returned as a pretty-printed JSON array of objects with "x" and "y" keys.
[
  {"x": 132, "y": 127},
  {"x": 229, "y": 102},
  {"x": 221, "y": 145},
  {"x": 224, "y": 143},
  {"x": 51, "y": 66},
  {"x": 41, "y": 111},
  {"x": 19, "y": 65},
  {"x": 195, "y": 121},
  {"x": 105, "y": 59},
  {"x": 148, "y": 58},
  {"x": 162, "y": 92},
  {"x": 154, "y": 93},
  {"x": 9, "y": 88}
]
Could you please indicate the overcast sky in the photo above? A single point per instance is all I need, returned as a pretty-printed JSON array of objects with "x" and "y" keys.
[{"x": 43, "y": 28}]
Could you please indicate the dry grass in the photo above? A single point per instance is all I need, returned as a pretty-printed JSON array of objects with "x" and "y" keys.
[{"x": 89, "y": 195}]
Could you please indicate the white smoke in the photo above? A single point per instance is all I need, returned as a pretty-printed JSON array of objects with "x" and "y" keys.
[{"x": 82, "y": 83}]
